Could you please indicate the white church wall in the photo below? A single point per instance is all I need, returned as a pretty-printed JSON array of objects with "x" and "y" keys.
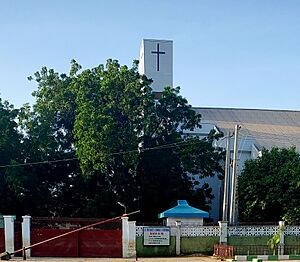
[
  {"x": 171, "y": 221},
  {"x": 216, "y": 184},
  {"x": 243, "y": 156},
  {"x": 203, "y": 131},
  {"x": 245, "y": 152},
  {"x": 255, "y": 152}
]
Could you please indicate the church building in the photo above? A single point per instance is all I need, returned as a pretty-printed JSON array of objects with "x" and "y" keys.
[{"x": 260, "y": 128}]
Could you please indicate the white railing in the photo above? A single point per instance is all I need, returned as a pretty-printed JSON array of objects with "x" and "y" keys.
[
  {"x": 252, "y": 230},
  {"x": 195, "y": 231},
  {"x": 292, "y": 231},
  {"x": 139, "y": 231}
]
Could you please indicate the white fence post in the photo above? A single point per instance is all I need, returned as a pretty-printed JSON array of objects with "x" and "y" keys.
[
  {"x": 9, "y": 233},
  {"x": 26, "y": 234},
  {"x": 223, "y": 225},
  {"x": 125, "y": 236},
  {"x": 128, "y": 238},
  {"x": 132, "y": 239},
  {"x": 281, "y": 243},
  {"x": 178, "y": 236}
]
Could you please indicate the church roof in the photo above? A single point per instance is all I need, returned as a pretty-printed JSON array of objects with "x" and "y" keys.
[
  {"x": 269, "y": 128},
  {"x": 183, "y": 210}
]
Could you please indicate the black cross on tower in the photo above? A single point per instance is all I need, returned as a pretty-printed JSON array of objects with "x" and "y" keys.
[{"x": 157, "y": 52}]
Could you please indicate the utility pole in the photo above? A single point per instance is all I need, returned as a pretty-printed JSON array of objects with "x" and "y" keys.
[
  {"x": 233, "y": 207},
  {"x": 226, "y": 178}
]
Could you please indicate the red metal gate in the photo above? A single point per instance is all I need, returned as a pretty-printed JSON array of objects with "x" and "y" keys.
[
  {"x": 18, "y": 236},
  {"x": 100, "y": 243},
  {"x": 104, "y": 241},
  {"x": 2, "y": 240}
]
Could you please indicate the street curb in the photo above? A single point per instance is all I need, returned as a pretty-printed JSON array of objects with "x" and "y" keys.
[{"x": 267, "y": 257}]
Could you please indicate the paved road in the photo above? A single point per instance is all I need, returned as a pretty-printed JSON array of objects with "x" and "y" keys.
[
  {"x": 143, "y": 259},
  {"x": 153, "y": 259}
]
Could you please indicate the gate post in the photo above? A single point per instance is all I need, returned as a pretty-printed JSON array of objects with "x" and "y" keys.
[
  {"x": 281, "y": 243},
  {"x": 9, "y": 233},
  {"x": 26, "y": 234},
  {"x": 128, "y": 238},
  {"x": 223, "y": 227},
  {"x": 132, "y": 238}
]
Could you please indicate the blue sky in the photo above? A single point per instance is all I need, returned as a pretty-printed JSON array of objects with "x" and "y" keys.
[{"x": 242, "y": 54}]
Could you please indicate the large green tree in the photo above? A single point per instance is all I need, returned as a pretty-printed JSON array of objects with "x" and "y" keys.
[
  {"x": 269, "y": 187},
  {"x": 98, "y": 137},
  {"x": 137, "y": 143}
]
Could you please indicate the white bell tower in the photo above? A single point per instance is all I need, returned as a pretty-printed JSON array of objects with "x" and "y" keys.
[{"x": 156, "y": 62}]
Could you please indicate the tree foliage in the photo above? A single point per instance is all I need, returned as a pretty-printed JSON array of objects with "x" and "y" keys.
[
  {"x": 122, "y": 133},
  {"x": 9, "y": 136},
  {"x": 269, "y": 187},
  {"x": 99, "y": 138}
]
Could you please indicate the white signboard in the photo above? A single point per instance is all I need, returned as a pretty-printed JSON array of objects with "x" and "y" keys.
[{"x": 156, "y": 236}]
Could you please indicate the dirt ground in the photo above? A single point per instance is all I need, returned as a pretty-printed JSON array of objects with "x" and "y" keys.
[{"x": 143, "y": 259}]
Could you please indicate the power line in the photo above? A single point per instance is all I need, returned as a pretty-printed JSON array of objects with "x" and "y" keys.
[
  {"x": 40, "y": 162},
  {"x": 166, "y": 146}
]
